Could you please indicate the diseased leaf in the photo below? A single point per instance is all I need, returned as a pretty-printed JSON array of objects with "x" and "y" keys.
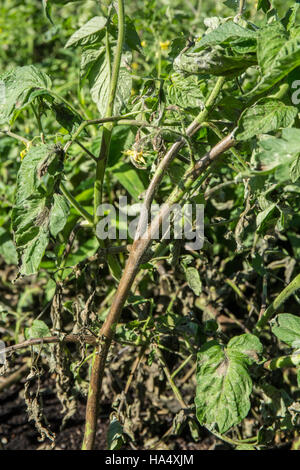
[
  {"x": 66, "y": 117},
  {"x": 91, "y": 32},
  {"x": 21, "y": 86},
  {"x": 286, "y": 327},
  {"x": 38, "y": 207},
  {"x": 264, "y": 217},
  {"x": 266, "y": 116},
  {"x": 212, "y": 61},
  {"x": 34, "y": 252},
  {"x": 223, "y": 381},
  {"x": 193, "y": 279},
  {"x": 278, "y": 151}
]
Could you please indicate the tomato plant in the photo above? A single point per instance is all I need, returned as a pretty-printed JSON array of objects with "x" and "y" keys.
[{"x": 165, "y": 105}]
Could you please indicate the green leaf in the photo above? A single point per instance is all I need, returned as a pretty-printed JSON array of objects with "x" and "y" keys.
[
  {"x": 7, "y": 247},
  {"x": 98, "y": 72},
  {"x": 266, "y": 116},
  {"x": 225, "y": 34},
  {"x": 278, "y": 55},
  {"x": 186, "y": 92},
  {"x": 264, "y": 5},
  {"x": 193, "y": 279},
  {"x": 58, "y": 215},
  {"x": 21, "y": 86},
  {"x": 264, "y": 217},
  {"x": 233, "y": 4},
  {"x": 270, "y": 41},
  {"x": 131, "y": 37},
  {"x": 278, "y": 151},
  {"x": 245, "y": 447},
  {"x": 66, "y": 117},
  {"x": 115, "y": 437},
  {"x": 290, "y": 19},
  {"x": 38, "y": 329},
  {"x": 223, "y": 381},
  {"x": 286, "y": 327},
  {"x": 91, "y": 32},
  {"x": 129, "y": 179},
  {"x": 295, "y": 170},
  {"x": 47, "y": 4}
]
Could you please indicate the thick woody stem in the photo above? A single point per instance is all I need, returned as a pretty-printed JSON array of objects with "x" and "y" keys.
[{"x": 131, "y": 269}]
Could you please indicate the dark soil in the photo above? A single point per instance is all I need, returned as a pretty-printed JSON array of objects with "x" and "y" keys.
[{"x": 17, "y": 433}]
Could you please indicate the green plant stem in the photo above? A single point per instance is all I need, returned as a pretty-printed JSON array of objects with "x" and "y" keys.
[
  {"x": 131, "y": 269},
  {"x": 241, "y": 7},
  {"x": 293, "y": 360},
  {"x": 182, "y": 365},
  {"x": 173, "y": 386},
  {"x": 171, "y": 154},
  {"x": 16, "y": 136},
  {"x": 108, "y": 127},
  {"x": 76, "y": 204},
  {"x": 280, "y": 299},
  {"x": 234, "y": 152},
  {"x": 92, "y": 408}
]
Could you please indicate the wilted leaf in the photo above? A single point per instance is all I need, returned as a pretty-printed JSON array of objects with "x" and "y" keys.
[
  {"x": 38, "y": 207},
  {"x": 193, "y": 279}
]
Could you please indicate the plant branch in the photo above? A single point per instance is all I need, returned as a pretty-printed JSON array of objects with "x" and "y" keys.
[
  {"x": 170, "y": 155},
  {"x": 280, "y": 299},
  {"x": 89, "y": 339},
  {"x": 281, "y": 362},
  {"x": 131, "y": 269},
  {"x": 16, "y": 136},
  {"x": 76, "y": 204},
  {"x": 108, "y": 127}
]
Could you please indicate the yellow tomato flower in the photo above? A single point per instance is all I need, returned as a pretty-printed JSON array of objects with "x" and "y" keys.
[
  {"x": 134, "y": 66},
  {"x": 24, "y": 152},
  {"x": 164, "y": 45},
  {"x": 143, "y": 43},
  {"x": 136, "y": 157}
]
